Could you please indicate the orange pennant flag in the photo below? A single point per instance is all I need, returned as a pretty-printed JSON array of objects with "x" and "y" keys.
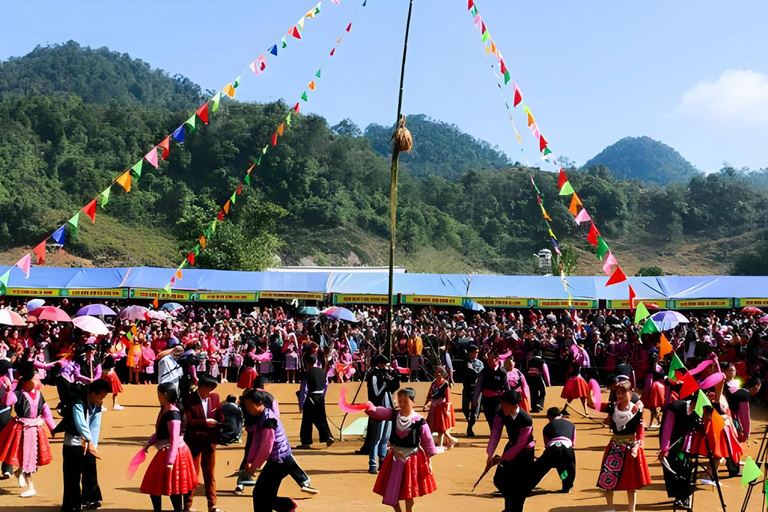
[
  {"x": 226, "y": 207},
  {"x": 311, "y": 85},
  {"x": 338, "y": 40},
  {"x": 178, "y": 274},
  {"x": 251, "y": 168},
  {"x": 202, "y": 241},
  {"x": 280, "y": 130},
  {"x": 134, "y": 330},
  {"x": 156, "y": 303},
  {"x": 665, "y": 347},
  {"x": 493, "y": 47},
  {"x": 125, "y": 180},
  {"x": 718, "y": 423},
  {"x": 229, "y": 90},
  {"x": 530, "y": 119},
  {"x": 575, "y": 203}
]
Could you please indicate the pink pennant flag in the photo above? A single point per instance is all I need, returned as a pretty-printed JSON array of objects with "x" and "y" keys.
[
  {"x": 151, "y": 157},
  {"x": 535, "y": 131},
  {"x": 478, "y": 21},
  {"x": 610, "y": 262},
  {"x": 336, "y": 1},
  {"x": 24, "y": 264},
  {"x": 259, "y": 65},
  {"x": 583, "y": 216}
]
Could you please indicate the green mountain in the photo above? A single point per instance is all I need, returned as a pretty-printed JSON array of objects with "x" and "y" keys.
[
  {"x": 321, "y": 195},
  {"x": 645, "y": 159}
]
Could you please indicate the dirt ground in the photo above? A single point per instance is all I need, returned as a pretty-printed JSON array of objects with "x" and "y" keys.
[{"x": 342, "y": 477}]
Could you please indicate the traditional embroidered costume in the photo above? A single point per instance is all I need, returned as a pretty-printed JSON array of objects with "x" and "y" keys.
[
  {"x": 171, "y": 450},
  {"x": 620, "y": 471}
]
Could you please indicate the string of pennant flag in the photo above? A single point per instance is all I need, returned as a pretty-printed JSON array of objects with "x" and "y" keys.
[
  {"x": 125, "y": 179},
  {"x": 611, "y": 266},
  {"x": 226, "y": 208}
]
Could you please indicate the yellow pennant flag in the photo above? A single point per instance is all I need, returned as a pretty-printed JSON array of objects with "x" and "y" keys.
[
  {"x": 487, "y": 50},
  {"x": 280, "y": 130},
  {"x": 125, "y": 180},
  {"x": 202, "y": 241},
  {"x": 229, "y": 90},
  {"x": 310, "y": 14}
]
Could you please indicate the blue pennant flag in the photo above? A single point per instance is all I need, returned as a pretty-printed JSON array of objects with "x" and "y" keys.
[
  {"x": 178, "y": 135},
  {"x": 58, "y": 235},
  {"x": 273, "y": 50}
]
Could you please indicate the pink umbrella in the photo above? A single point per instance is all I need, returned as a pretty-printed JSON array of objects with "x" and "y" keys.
[
  {"x": 158, "y": 315},
  {"x": 8, "y": 317},
  {"x": 91, "y": 325},
  {"x": 52, "y": 314},
  {"x": 764, "y": 320},
  {"x": 133, "y": 313}
]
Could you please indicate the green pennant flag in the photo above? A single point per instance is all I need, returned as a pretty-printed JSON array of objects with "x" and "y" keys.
[
  {"x": 4, "y": 280},
  {"x": 234, "y": 197},
  {"x": 304, "y": 96},
  {"x": 73, "y": 224},
  {"x": 196, "y": 250},
  {"x": 216, "y": 101},
  {"x": 751, "y": 472},
  {"x": 317, "y": 9},
  {"x": 507, "y": 77},
  {"x": 247, "y": 179},
  {"x": 602, "y": 248},
  {"x": 318, "y": 74},
  {"x": 284, "y": 43},
  {"x": 191, "y": 122},
  {"x": 547, "y": 151},
  {"x": 676, "y": 364},
  {"x": 474, "y": 10},
  {"x": 567, "y": 189},
  {"x": 104, "y": 197},
  {"x": 288, "y": 119},
  {"x": 213, "y": 226},
  {"x": 486, "y": 36},
  {"x": 137, "y": 168},
  {"x": 129, "y": 336},
  {"x": 649, "y": 327},
  {"x": 264, "y": 151},
  {"x": 207, "y": 232},
  {"x": 237, "y": 82},
  {"x": 536, "y": 189},
  {"x": 641, "y": 313},
  {"x": 258, "y": 160},
  {"x": 167, "y": 288},
  {"x": 701, "y": 402}
]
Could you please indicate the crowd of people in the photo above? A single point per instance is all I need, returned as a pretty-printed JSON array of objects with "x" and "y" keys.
[{"x": 505, "y": 360}]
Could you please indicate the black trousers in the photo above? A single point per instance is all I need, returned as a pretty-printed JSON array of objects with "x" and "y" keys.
[
  {"x": 470, "y": 413},
  {"x": 490, "y": 406},
  {"x": 555, "y": 457},
  {"x": 265, "y": 498},
  {"x": 678, "y": 485},
  {"x": 538, "y": 392},
  {"x": 299, "y": 475},
  {"x": 512, "y": 478},
  {"x": 314, "y": 414},
  {"x": 79, "y": 465},
  {"x": 62, "y": 388}
]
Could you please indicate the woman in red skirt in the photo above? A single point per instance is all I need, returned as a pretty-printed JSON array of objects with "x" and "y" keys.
[
  {"x": 441, "y": 418},
  {"x": 624, "y": 467},
  {"x": 172, "y": 470},
  {"x": 654, "y": 398},
  {"x": 110, "y": 376},
  {"x": 575, "y": 387},
  {"x": 406, "y": 472}
]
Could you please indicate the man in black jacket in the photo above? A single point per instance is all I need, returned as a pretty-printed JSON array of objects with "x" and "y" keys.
[
  {"x": 314, "y": 405},
  {"x": 471, "y": 409},
  {"x": 382, "y": 382}
]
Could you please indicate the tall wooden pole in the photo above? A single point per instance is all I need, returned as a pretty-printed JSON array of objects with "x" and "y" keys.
[{"x": 393, "y": 188}]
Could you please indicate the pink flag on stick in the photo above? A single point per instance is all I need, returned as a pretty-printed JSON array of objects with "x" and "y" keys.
[
  {"x": 609, "y": 263},
  {"x": 583, "y": 216},
  {"x": 151, "y": 157},
  {"x": 351, "y": 408},
  {"x": 136, "y": 461},
  {"x": 24, "y": 264}
]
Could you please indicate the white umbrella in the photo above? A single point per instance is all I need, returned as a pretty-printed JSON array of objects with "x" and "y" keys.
[
  {"x": 91, "y": 325},
  {"x": 8, "y": 317}
]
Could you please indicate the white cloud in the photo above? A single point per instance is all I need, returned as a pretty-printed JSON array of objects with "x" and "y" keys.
[{"x": 737, "y": 95}]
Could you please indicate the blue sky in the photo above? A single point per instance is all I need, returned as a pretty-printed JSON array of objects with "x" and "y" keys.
[{"x": 692, "y": 74}]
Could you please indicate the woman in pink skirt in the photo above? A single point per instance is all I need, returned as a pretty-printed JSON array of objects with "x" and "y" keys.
[
  {"x": 441, "y": 418},
  {"x": 575, "y": 387}
]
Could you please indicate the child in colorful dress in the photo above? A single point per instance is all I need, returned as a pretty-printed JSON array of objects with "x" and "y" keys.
[
  {"x": 172, "y": 470},
  {"x": 624, "y": 467},
  {"x": 23, "y": 442},
  {"x": 406, "y": 472},
  {"x": 575, "y": 387},
  {"x": 441, "y": 418}
]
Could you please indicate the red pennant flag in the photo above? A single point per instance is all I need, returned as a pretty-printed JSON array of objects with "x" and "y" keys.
[
  {"x": 542, "y": 143},
  {"x": 173, "y": 280},
  {"x": 294, "y": 31},
  {"x": 274, "y": 139},
  {"x": 220, "y": 217},
  {"x": 349, "y": 27},
  {"x": 471, "y": 4},
  {"x": 40, "y": 251},
  {"x": 296, "y": 108},
  {"x": 503, "y": 67},
  {"x": 518, "y": 96},
  {"x": 156, "y": 303},
  {"x": 90, "y": 210},
  {"x": 166, "y": 145},
  {"x": 239, "y": 189},
  {"x": 333, "y": 50},
  {"x": 484, "y": 30},
  {"x": 562, "y": 179},
  {"x": 632, "y": 297},
  {"x": 617, "y": 277},
  {"x": 202, "y": 113},
  {"x": 191, "y": 258},
  {"x": 593, "y": 234},
  {"x": 690, "y": 386}
]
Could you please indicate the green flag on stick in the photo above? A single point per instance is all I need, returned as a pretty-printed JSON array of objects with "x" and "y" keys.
[
  {"x": 73, "y": 225},
  {"x": 641, "y": 313},
  {"x": 602, "y": 248},
  {"x": 567, "y": 189},
  {"x": 649, "y": 327},
  {"x": 751, "y": 472},
  {"x": 676, "y": 364}
]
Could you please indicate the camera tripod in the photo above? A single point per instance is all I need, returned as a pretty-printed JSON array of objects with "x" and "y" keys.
[
  {"x": 760, "y": 461},
  {"x": 710, "y": 471}
]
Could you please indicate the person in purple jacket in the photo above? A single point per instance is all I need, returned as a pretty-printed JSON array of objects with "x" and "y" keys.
[
  {"x": 512, "y": 476},
  {"x": 269, "y": 447}
]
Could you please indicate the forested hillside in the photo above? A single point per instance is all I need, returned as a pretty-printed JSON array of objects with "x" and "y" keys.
[{"x": 322, "y": 195}]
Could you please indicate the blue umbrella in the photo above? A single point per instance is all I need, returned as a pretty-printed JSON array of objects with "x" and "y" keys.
[
  {"x": 339, "y": 314},
  {"x": 95, "y": 310},
  {"x": 668, "y": 320},
  {"x": 309, "y": 311},
  {"x": 172, "y": 306},
  {"x": 34, "y": 304},
  {"x": 472, "y": 305}
]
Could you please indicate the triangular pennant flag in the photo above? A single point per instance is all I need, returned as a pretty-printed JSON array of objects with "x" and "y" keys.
[
  {"x": 216, "y": 101},
  {"x": 609, "y": 263},
  {"x": 233, "y": 197},
  {"x": 239, "y": 189},
  {"x": 73, "y": 222},
  {"x": 649, "y": 327},
  {"x": 237, "y": 83},
  {"x": 641, "y": 313},
  {"x": 319, "y": 74},
  {"x": 751, "y": 472},
  {"x": 281, "y": 129},
  {"x": 24, "y": 264},
  {"x": 274, "y": 139},
  {"x": 542, "y": 143},
  {"x": 545, "y": 153},
  {"x": 178, "y": 272},
  {"x": 191, "y": 122},
  {"x": 229, "y": 90},
  {"x": 632, "y": 297},
  {"x": 300, "y": 24},
  {"x": 203, "y": 242},
  {"x": 602, "y": 248},
  {"x": 213, "y": 227},
  {"x": 105, "y": 197},
  {"x": 562, "y": 179},
  {"x": 90, "y": 210},
  {"x": 264, "y": 150},
  {"x": 247, "y": 179},
  {"x": 486, "y": 36},
  {"x": 575, "y": 203},
  {"x": 470, "y": 4},
  {"x": 530, "y": 119},
  {"x": 304, "y": 96},
  {"x": 40, "y": 252},
  {"x": 593, "y": 234},
  {"x": 288, "y": 119},
  {"x": 202, "y": 112},
  {"x": 333, "y": 50},
  {"x": 250, "y": 168},
  {"x": 226, "y": 207},
  {"x": 310, "y": 14},
  {"x": 718, "y": 423},
  {"x": 196, "y": 250},
  {"x": 701, "y": 402},
  {"x": 273, "y": 50},
  {"x": 518, "y": 96},
  {"x": 675, "y": 365},
  {"x": 136, "y": 169},
  {"x": 296, "y": 108},
  {"x": 220, "y": 215},
  {"x": 284, "y": 45},
  {"x": 156, "y": 303},
  {"x": 617, "y": 277},
  {"x": 124, "y": 181},
  {"x": 583, "y": 216},
  {"x": 151, "y": 157},
  {"x": 167, "y": 288},
  {"x": 178, "y": 135},
  {"x": 690, "y": 386},
  {"x": 191, "y": 258},
  {"x": 4, "y": 280},
  {"x": 166, "y": 147},
  {"x": 311, "y": 85},
  {"x": 349, "y": 27},
  {"x": 567, "y": 189},
  {"x": 665, "y": 347},
  {"x": 293, "y": 31}
]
